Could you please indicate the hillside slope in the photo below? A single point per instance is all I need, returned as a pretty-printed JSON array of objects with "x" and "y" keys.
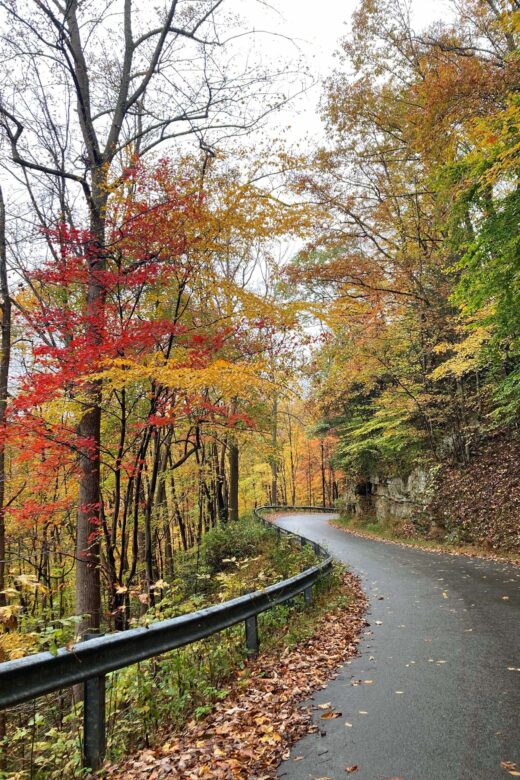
[{"x": 479, "y": 502}]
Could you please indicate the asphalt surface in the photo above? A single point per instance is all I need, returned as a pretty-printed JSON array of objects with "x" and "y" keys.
[{"x": 443, "y": 653}]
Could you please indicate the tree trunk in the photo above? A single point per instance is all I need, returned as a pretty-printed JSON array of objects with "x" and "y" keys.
[
  {"x": 323, "y": 481},
  {"x": 162, "y": 504},
  {"x": 5, "y": 346},
  {"x": 88, "y": 584},
  {"x": 149, "y": 557},
  {"x": 309, "y": 477},
  {"x": 292, "y": 464},
  {"x": 274, "y": 463},
  {"x": 220, "y": 466},
  {"x": 88, "y": 595},
  {"x": 178, "y": 514},
  {"x": 233, "y": 480}
]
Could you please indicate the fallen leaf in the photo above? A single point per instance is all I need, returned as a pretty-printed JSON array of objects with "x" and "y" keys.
[
  {"x": 508, "y": 765},
  {"x": 330, "y": 715},
  {"x": 253, "y": 728},
  {"x": 326, "y": 706},
  {"x": 351, "y": 769}
]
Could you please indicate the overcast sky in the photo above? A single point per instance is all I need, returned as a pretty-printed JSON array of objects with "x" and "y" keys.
[{"x": 316, "y": 29}]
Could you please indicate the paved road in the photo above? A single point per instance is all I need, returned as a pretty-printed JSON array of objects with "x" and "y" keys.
[{"x": 443, "y": 652}]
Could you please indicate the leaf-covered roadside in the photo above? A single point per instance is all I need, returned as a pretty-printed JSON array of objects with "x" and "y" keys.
[
  {"x": 351, "y": 526},
  {"x": 233, "y": 559},
  {"x": 248, "y": 734}
]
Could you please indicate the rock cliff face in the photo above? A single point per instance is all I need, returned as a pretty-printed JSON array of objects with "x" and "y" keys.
[{"x": 389, "y": 499}]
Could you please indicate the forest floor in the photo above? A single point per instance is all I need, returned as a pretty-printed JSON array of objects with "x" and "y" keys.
[
  {"x": 372, "y": 530},
  {"x": 252, "y": 730}
]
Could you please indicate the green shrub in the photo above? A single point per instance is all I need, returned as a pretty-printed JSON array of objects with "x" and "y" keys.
[{"x": 239, "y": 540}]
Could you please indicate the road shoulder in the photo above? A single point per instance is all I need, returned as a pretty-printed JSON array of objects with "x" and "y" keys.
[
  {"x": 252, "y": 730},
  {"x": 454, "y": 550}
]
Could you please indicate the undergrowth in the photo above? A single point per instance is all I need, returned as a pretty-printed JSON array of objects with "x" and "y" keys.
[{"x": 44, "y": 737}]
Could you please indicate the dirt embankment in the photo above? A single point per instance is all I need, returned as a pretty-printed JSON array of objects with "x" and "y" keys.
[{"x": 479, "y": 502}]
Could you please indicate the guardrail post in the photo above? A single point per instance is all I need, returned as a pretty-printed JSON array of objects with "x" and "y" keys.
[
  {"x": 307, "y": 595},
  {"x": 94, "y": 736},
  {"x": 252, "y": 641}
]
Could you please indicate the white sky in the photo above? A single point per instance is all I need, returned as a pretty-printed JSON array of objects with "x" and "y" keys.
[{"x": 316, "y": 29}]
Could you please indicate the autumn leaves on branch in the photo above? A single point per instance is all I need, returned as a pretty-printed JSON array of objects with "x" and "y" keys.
[{"x": 159, "y": 347}]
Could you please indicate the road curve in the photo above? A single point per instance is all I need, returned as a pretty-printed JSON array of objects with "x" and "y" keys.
[{"x": 443, "y": 654}]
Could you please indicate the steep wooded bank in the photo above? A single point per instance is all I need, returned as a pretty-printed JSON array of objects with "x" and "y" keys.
[
  {"x": 415, "y": 266},
  {"x": 479, "y": 501}
]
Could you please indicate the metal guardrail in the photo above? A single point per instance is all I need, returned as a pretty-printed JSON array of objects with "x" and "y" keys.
[{"x": 89, "y": 661}]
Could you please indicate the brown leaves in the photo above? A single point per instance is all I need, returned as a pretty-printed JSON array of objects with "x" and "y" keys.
[
  {"x": 511, "y": 767},
  {"x": 351, "y": 769},
  {"x": 250, "y": 732},
  {"x": 482, "y": 498}
]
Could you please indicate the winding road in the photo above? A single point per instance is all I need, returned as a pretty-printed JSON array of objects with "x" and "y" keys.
[{"x": 435, "y": 692}]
